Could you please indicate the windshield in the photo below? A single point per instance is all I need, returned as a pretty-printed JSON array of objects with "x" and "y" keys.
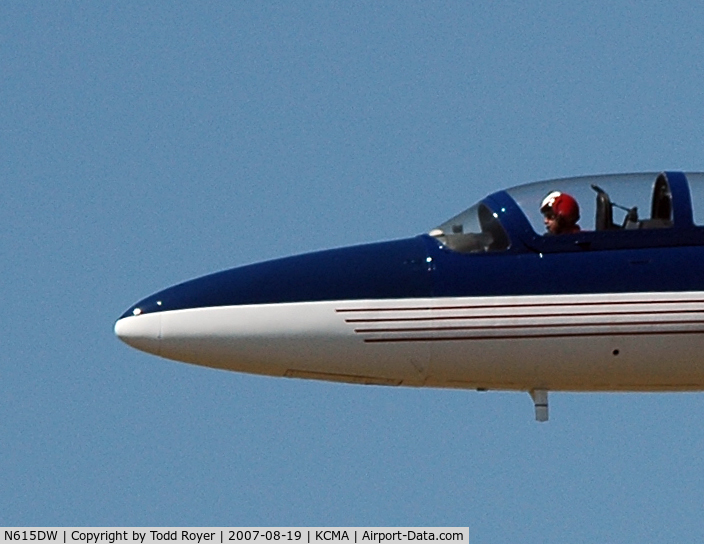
[{"x": 477, "y": 229}]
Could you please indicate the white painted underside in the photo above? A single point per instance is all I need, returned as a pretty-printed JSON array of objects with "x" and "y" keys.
[{"x": 634, "y": 341}]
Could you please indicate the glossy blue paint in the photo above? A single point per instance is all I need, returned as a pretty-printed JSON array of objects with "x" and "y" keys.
[
  {"x": 611, "y": 261},
  {"x": 681, "y": 199},
  {"x": 396, "y": 269},
  {"x": 573, "y": 272}
]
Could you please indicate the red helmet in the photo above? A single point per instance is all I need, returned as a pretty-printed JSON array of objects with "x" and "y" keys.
[
  {"x": 562, "y": 206},
  {"x": 566, "y": 206}
]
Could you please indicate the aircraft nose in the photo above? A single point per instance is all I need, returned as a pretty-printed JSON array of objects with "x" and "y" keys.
[{"x": 140, "y": 331}]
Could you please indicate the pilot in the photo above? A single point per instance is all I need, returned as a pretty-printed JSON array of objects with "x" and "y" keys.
[{"x": 561, "y": 213}]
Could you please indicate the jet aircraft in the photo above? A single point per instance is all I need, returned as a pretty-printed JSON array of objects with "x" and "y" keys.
[{"x": 488, "y": 300}]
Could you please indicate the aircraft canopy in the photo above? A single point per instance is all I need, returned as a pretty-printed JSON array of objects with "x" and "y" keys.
[{"x": 609, "y": 205}]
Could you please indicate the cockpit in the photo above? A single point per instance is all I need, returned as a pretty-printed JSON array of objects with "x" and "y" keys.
[{"x": 615, "y": 211}]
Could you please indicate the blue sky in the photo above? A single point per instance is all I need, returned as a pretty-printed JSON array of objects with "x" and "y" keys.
[{"x": 143, "y": 144}]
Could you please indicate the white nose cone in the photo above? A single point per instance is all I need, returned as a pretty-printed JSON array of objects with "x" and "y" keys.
[{"x": 141, "y": 331}]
